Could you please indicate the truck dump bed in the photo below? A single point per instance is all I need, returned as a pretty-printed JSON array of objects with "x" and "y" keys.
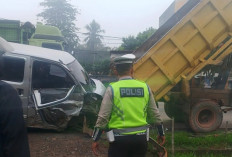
[{"x": 197, "y": 35}]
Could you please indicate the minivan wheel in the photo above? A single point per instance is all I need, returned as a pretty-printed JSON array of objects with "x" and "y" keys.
[
  {"x": 205, "y": 116},
  {"x": 55, "y": 117}
]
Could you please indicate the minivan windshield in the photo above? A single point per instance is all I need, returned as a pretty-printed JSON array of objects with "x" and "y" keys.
[{"x": 80, "y": 74}]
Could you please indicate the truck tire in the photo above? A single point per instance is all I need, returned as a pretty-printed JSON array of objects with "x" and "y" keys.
[{"x": 205, "y": 116}]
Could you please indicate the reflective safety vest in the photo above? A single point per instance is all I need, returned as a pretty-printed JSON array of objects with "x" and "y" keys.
[{"x": 130, "y": 100}]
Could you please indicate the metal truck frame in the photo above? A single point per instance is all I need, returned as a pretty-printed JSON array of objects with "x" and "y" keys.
[{"x": 196, "y": 36}]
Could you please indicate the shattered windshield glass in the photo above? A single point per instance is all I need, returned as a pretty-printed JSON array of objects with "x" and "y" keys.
[{"x": 80, "y": 74}]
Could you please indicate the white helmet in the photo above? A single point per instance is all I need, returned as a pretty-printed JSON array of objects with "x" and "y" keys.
[{"x": 127, "y": 58}]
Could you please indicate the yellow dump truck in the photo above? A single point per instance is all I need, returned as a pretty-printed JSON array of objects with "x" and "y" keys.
[{"x": 178, "y": 63}]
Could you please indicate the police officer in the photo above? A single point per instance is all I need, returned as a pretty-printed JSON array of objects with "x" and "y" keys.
[
  {"x": 13, "y": 135},
  {"x": 127, "y": 108}
]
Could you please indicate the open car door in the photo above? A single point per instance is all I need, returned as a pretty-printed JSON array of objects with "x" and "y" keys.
[
  {"x": 55, "y": 94},
  {"x": 50, "y": 97}
]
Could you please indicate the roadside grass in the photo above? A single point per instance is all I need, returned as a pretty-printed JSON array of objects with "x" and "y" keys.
[
  {"x": 192, "y": 154},
  {"x": 187, "y": 144},
  {"x": 191, "y": 141}
]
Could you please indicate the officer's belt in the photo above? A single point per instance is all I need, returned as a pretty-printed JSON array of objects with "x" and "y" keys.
[{"x": 128, "y": 130}]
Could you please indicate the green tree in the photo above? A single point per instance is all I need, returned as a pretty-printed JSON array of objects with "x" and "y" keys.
[
  {"x": 94, "y": 37},
  {"x": 131, "y": 42},
  {"x": 61, "y": 14},
  {"x": 142, "y": 37},
  {"x": 100, "y": 68}
]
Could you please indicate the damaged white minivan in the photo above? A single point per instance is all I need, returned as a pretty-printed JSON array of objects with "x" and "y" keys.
[{"x": 53, "y": 86}]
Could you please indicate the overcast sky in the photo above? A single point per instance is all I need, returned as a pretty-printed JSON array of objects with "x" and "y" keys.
[{"x": 119, "y": 18}]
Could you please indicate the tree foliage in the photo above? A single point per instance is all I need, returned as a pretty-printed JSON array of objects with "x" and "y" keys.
[
  {"x": 131, "y": 42},
  {"x": 94, "y": 37},
  {"x": 100, "y": 68},
  {"x": 61, "y": 14}
]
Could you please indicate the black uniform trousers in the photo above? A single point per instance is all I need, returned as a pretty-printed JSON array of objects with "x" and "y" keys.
[{"x": 128, "y": 146}]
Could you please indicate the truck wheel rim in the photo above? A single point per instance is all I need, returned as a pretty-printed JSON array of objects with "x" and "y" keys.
[{"x": 205, "y": 118}]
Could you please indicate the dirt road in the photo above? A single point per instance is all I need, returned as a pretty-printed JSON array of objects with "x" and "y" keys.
[{"x": 44, "y": 143}]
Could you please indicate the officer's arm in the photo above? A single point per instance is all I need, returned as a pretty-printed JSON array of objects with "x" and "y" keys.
[
  {"x": 104, "y": 114},
  {"x": 160, "y": 129},
  {"x": 97, "y": 134}
]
